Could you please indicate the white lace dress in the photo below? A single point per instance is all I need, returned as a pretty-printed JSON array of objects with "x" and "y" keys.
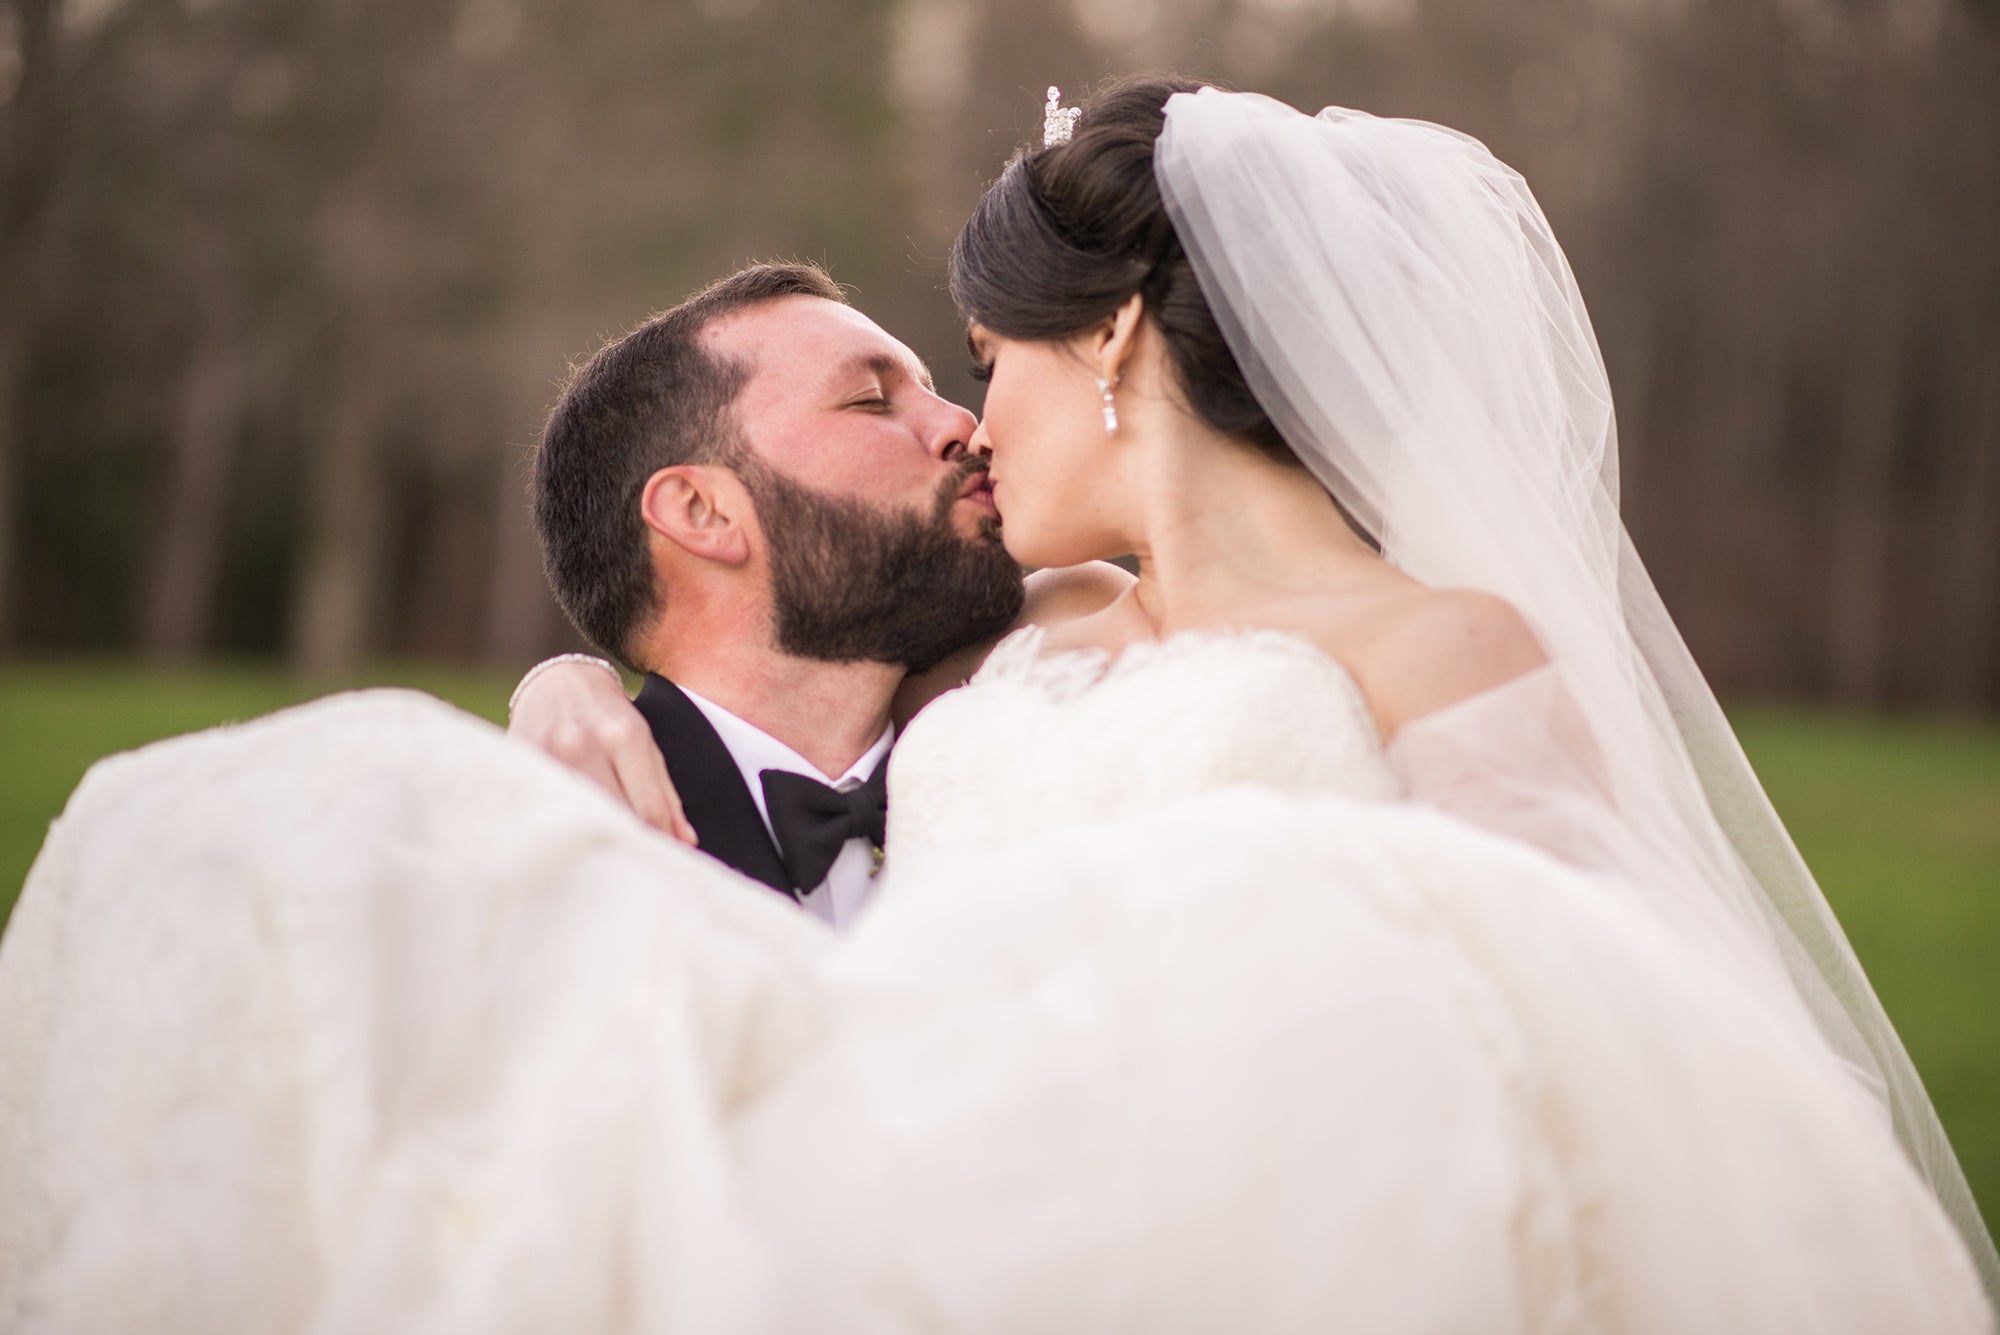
[{"x": 1169, "y": 1017}]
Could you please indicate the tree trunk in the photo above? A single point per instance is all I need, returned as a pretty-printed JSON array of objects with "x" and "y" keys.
[
  {"x": 26, "y": 158},
  {"x": 1967, "y": 675},
  {"x": 1864, "y": 510},
  {"x": 181, "y": 580},
  {"x": 13, "y": 352},
  {"x": 340, "y": 567},
  {"x": 520, "y": 621}
]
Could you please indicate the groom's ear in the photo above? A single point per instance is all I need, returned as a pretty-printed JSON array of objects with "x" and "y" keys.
[{"x": 700, "y": 508}]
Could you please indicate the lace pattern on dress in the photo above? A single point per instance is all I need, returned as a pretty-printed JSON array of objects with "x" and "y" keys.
[
  {"x": 1046, "y": 738},
  {"x": 1067, "y": 673}
]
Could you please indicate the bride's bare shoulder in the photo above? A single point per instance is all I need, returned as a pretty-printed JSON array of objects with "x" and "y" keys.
[{"x": 1420, "y": 650}]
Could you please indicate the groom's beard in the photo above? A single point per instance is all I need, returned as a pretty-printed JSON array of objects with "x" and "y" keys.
[{"x": 854, "y": 583}]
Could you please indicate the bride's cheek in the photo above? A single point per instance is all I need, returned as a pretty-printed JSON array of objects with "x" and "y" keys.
[{"x": 1022, "y": 530}]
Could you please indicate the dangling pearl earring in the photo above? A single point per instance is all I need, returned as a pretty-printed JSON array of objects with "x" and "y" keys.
[{"x": 1110, "y": 408}]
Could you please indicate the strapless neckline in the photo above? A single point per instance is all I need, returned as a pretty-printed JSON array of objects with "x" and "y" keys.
[
  {"x": 1048, "y": 738},
  {"x": 1065, "y": 672}
]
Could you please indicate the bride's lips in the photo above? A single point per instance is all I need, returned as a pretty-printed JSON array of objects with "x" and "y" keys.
[{"x": 978, "y": 489}]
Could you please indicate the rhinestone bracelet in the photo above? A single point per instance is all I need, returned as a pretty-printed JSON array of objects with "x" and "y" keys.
[{"x": 547, "y": 663}]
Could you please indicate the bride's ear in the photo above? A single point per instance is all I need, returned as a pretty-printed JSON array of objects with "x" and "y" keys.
[
  {"x": 700, "y": 508},
  {"x": 1115, "y": 338}
]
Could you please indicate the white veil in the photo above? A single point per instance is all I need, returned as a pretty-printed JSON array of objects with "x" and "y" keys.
[{"x": 1404, "y": 314}]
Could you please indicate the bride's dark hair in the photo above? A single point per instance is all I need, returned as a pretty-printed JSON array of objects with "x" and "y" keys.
[{"x": 1069, "y": 232}]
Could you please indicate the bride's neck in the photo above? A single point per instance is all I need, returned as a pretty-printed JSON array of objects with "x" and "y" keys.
[{"x": 1224, "y": 529}]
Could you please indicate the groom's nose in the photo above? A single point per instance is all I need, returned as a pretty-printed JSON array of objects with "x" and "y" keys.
[{"x": 952, "y": 435}]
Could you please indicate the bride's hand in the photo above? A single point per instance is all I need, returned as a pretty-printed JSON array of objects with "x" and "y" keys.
[{"x": 578, "y": 713}]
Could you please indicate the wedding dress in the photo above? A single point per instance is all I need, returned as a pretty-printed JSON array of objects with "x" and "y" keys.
[
  {"x": 1171, "y": 1015},
  {"x": 1185, "y": 1005}
]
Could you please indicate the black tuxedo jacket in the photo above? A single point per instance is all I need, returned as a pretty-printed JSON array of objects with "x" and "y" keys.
[{"x": 712, "y": 791}]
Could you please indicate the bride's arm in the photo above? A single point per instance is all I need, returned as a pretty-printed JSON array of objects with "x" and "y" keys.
[
  {"x": 1054, "y": 597},
  {"x": 574, "y": 708}
]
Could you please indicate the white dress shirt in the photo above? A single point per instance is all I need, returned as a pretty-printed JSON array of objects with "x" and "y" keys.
[{"x": 839, "y": 898}]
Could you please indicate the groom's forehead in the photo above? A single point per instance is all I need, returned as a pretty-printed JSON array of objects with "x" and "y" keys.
[{"x": 806, "y": 342}]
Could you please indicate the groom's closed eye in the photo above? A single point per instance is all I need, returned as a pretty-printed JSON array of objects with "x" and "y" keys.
[{"x": 876, "y": 375}]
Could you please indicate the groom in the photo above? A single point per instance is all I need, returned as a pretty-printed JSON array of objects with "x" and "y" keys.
[{"x": 758, "y": 500}]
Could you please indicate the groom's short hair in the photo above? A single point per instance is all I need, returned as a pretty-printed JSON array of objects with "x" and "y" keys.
[{"x": 654, "y": 398}]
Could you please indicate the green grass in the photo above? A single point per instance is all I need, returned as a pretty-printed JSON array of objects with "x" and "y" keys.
[
  {"x": 1899, "y": 819},
  {"x": 56, "y": 719}
]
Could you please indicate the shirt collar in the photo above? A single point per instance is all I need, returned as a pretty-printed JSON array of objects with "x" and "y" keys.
[{"x": 755, "y": 751}]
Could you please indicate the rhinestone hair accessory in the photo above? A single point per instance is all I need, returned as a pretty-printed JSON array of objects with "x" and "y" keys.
[{"x": 1058, "y": 121}]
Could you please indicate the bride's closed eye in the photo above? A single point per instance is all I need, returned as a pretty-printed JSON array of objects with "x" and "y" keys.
[{"x": 981, "y": 368}]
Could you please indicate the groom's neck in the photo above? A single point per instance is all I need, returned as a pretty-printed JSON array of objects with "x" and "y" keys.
[{"x": 830, "y": 713}]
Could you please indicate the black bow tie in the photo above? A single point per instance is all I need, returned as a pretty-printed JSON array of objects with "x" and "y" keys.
[{"x": 813, "y": 821}]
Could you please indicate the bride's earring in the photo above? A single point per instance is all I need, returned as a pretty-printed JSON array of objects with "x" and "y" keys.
[{"x": 1110, "y": 408}]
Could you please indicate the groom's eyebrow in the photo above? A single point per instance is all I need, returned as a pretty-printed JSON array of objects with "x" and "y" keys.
[{"x": 885, "y": 366}]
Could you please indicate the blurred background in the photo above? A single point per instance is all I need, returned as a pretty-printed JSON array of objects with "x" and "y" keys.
[{"x": 286, "y": 286}]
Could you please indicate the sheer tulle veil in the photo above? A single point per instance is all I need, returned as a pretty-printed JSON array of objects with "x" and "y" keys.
[{"x": 1404, "y": 313}]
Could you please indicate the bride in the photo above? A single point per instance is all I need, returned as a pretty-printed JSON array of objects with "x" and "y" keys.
[{"x": 1367, "y": 921}]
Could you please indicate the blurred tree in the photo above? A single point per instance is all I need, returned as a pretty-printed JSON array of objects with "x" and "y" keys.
[
  {"x": 27, "y": 106},
  {"x": 290, "y": 283}
]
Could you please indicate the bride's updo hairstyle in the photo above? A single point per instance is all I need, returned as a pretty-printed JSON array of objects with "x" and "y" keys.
[{"x": 1069, "y": 232}]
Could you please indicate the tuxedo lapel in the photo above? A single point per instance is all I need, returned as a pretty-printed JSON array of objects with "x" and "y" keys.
[{"x": 711, "y": 787}]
